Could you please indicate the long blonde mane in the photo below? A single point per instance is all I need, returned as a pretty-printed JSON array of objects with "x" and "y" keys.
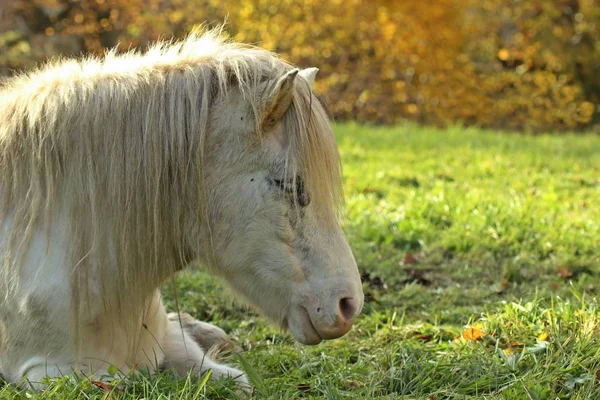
[{"x": 115, "y": 146}]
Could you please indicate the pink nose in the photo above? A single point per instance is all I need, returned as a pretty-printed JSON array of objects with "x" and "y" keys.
[
  {"x": 348, "y": 309},
  {"x": 339, "y": 322}
]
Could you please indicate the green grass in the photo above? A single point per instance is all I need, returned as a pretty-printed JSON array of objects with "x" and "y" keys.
[{"x": 506, "y": 233}]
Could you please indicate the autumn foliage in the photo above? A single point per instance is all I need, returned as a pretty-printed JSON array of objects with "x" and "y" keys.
[{"x": 515, "y": 64}]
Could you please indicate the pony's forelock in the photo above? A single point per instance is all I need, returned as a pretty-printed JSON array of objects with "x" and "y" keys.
[{"x": 313, "y": 152}]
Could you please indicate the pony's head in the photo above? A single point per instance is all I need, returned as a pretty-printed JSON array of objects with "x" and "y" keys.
[{"x": 274, "y": 188}]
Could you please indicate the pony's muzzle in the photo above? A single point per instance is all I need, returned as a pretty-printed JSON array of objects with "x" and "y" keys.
[
  {"x": 338, "y": 320},
  {"x": 325, "y": 317}
]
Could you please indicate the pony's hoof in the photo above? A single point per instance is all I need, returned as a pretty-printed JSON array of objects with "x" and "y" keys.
[
  {"x": 211, "y": 338},
  {"x": 240, "y": 378}
]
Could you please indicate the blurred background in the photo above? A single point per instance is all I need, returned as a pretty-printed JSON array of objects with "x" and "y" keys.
[{"x": 528, "y": 65}]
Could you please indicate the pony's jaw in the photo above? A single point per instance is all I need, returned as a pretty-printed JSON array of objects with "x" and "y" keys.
[{"x": 301, "y": 327}]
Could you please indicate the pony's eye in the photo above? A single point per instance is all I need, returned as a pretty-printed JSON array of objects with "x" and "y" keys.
[
  {"x": 293, "y": 187},
  {"x": 303, "y": 198}
]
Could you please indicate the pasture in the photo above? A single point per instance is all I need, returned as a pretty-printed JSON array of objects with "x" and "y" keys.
[{"x": 479, "y": 253}]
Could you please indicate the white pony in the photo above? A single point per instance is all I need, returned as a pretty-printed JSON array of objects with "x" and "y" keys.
[{"x": 116, "y": 173}]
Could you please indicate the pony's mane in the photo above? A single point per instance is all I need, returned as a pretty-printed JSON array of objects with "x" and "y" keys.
[{"x": 115, "y": 146}]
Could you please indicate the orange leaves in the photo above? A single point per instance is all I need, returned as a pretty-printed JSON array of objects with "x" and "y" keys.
[
  {"x": 510, "y": 348},
  {"x": 473, "y": 334},
  {"x": 434, "y": 62}
]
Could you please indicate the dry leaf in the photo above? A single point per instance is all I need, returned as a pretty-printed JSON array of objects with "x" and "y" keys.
[
  {"x": 106, "y": 386},
  {"x": 410, "y": 259},
  {"x": 417, "y": 276},
  {"x": 515, "y": 343},
  {"x": 354, "y": 383},
  {"x": 425, "y": 338},
  {"x": 564, "y": 272},
  {"x": 473, "y": 334}
]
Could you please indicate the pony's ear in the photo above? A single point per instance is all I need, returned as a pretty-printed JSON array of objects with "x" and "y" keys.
[
  {"x": 309, "y": 74},
  {"x": 278, "y": 101}
]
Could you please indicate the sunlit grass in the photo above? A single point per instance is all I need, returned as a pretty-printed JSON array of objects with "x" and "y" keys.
[{"x": 505, "y": 231}]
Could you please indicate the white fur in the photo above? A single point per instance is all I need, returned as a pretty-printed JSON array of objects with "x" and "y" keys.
[
  {"x": 117, "y": 173},
  {"x": 309, "y": 74}
]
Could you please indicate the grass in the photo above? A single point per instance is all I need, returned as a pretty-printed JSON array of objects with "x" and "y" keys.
[{"x": 480, "y": 256}]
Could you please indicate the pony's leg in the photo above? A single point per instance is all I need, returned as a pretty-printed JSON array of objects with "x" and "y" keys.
[
  {"x": 37, "y": 369},
  {"x": 185, "y": 356},
  {"x": 208, "y": 336}
]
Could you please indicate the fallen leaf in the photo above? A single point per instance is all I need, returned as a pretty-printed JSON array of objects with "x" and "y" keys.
[
  {"x": 374, "y": 282},
  {"x": 564, "y": 272},
  {"x": 414, "y": 275},
  {"x": 106, "y": 386},
  {"x": 515, "y": 343},
  {"x": 425, "y": 338},
  {"x": 473, "y": 334},
  {"x": 598, "y": 375},
  {"x": 410, "y": 259},
  {"x": 102, "y": 385},
  {"x": 303, "y": 386},
  {"x": 354, "y": 383}
]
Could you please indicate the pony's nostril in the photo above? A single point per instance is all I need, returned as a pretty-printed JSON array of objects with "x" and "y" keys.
[{"x": 348, "y": 307}]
